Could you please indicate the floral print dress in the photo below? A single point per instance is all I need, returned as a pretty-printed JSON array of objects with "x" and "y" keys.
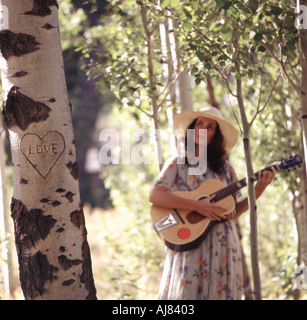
[{"x": 213, "y": 270}]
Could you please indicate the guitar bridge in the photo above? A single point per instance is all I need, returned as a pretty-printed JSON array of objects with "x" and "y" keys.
[{"x": 168, "y": 221}]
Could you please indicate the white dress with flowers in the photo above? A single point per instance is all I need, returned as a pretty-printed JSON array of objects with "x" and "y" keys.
[{"x": 213, "y": 270}]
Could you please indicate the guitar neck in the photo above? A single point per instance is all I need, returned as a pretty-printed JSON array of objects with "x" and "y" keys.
[{"x": 234, "y": 187}]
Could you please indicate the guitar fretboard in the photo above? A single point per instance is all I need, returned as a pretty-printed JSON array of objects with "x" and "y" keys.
[{"x": 234, "y": 187}]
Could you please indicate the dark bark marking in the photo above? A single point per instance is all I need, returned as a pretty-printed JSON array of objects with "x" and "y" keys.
[
  {"x": 62, "y": 249},
  {"x": 60, "y": 190},
  {"x": 20, "y": 74},
  {"x": 246, "y": 143},
  {"x": 67, "y": 263},
  {"x": 77, "y": 218},
  {"x": 74, "y": 169},
  {"x": 42, "y": 7},
  {"x": 60, "y": 230},
  {"x": 13, "y": 44},
  {"x": 21, "y": 110},
  {"x": 56, "y": 203},
  {"x": 47, "y": 26},
  {"x": 52, "y": 100},
  {"x": 69, "y": 195},
  {"x": 23, "y": 181},
  {"x": 68, "y": 282},
  {"x": 87, "y": 275},
  {"x": 30, "y": 225},
  {"x": 35, "y": 272},
  {"x": 44, "y": 200}
]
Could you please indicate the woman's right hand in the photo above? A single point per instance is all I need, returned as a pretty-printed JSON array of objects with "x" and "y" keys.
[
  {"x": 162, "y": 198},
  {"x": 210, "y": 209}
]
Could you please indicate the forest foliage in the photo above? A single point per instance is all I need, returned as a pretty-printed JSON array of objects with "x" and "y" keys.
[{"x": 109, "y": 41}]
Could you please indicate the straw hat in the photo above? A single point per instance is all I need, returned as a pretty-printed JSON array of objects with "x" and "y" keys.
[{"x": 184, "y": 119}]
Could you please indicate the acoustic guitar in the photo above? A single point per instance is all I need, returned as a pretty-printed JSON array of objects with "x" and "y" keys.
[{"x": 182, "y": 230}]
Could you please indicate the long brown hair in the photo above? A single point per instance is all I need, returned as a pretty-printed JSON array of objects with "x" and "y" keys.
[{"x": 216, "y": 153}]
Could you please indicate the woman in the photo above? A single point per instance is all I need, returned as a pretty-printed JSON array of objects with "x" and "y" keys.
[{"x": 213, "y": 270}]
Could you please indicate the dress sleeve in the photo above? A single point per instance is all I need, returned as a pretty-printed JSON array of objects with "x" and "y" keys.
[{"x": 167, "y": 175}]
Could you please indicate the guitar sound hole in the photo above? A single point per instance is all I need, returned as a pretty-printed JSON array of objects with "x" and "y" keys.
[{"x": 194, "y": 217}]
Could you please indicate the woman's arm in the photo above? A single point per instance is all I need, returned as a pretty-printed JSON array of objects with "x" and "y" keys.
[{"x": 160, "y": 197}]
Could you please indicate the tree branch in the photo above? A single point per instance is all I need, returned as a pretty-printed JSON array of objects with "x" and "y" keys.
[{"x": 281, "y": 63}]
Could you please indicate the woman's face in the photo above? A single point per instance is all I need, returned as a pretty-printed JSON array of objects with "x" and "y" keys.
[{"x": 207, "y": 124}]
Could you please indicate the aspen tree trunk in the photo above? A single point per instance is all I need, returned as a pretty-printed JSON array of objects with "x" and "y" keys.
[
  {"x": 168, "y": 68},
  {"x": 303, "y": 101},
  {"x": 246, "y": 279},
  {"x": 251, "y": 190},
  {"x": 185, "y": 90},
  {"x": 180, "y": 84},
  {"x": 50, "y": 234},
  {"x": 152, "y": 86}
]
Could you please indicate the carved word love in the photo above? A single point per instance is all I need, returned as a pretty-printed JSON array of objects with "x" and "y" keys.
[{"x": 42, "y": 153}]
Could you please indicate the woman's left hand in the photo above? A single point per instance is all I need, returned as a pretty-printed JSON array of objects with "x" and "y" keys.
[{"x": 264, "y": 179}]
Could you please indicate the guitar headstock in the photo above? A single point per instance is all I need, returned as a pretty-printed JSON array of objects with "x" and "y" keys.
[{"x": 288, "y": 163}]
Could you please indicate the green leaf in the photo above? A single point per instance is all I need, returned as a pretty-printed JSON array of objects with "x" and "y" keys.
[
  {"x": 290, "y": 45},
  {"x": 258, "y": 37},
  {"x": 227, "y": 35},
  {"x": 187, "y": 26},
  {"x": 164, "y": 3},
  {"x": 276, "y": 11},
  {"x": 223, "y": 4},
  {"x": 238, "y": 75},
  {"x": 174, "y": 3},
  {"x": 261, "y": 49},
  {"x": 253, "y": 5},
  {"x": 197, "y": 81},
  {"x": 187, "y": 13}
]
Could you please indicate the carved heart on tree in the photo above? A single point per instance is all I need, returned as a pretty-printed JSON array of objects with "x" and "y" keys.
[{"x": 42, "y": 153}]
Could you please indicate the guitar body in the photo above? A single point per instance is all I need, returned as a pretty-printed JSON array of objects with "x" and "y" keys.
[{"x": 182, "y": 230}]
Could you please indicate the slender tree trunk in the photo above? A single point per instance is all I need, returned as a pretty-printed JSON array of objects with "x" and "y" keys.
[
  {"x": 50, "y": 234},
  {"x": 152, "y": 87},
  {"x": 246, "y": 278},
  {"x": 185, "y": 90},
  {"x": 251, "y": 190},
  {"x": 303, "y": 100},
  {"x": 211, "y": 100},
  {"x": 169, "y": 72}
]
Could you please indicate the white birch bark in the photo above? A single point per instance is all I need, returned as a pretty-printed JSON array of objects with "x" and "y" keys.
[{"x": 50, "y": 234}]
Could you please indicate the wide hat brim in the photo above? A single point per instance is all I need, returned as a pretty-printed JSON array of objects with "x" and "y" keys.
[{"x": 184, "y": 119}]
